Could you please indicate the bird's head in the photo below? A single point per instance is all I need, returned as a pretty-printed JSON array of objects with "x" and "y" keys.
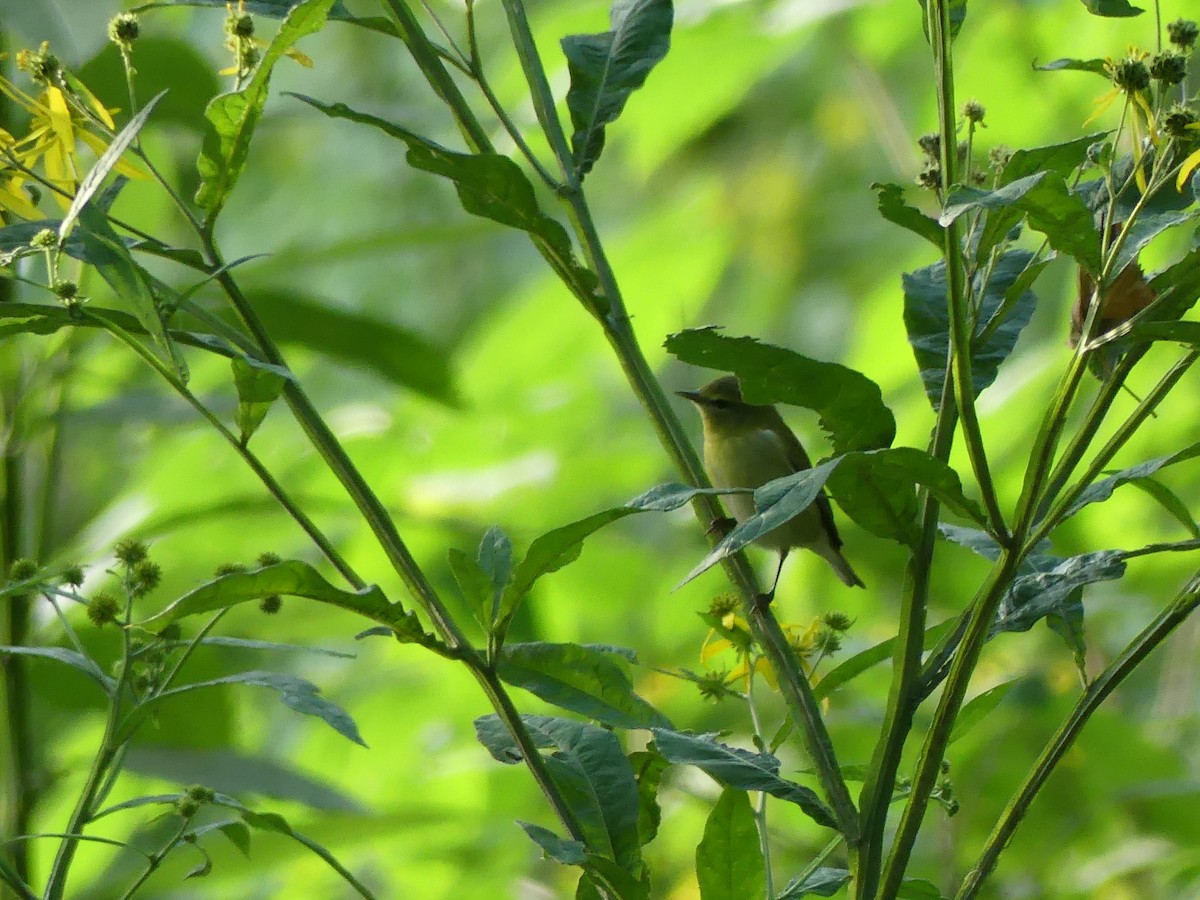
[{"x": 721, "y": 405}]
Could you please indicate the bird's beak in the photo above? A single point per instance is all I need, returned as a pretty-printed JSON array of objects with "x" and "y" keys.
[{"x": 695, "y": 396}]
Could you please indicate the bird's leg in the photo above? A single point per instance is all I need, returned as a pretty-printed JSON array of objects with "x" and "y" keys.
[{"x": 762, "y": 601}]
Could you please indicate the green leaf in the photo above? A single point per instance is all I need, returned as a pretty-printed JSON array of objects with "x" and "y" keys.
[
  {"x": 248, "y": 644},
  {"x": 238, "y": 834},
  {"x": 928, "y": 321},
  {"x": 592, "y": 773},
  {"x": 1062, "y": 158},
  {"x": 1170, "y": 501},
  {"x": 1048, "y": 204},
  {"x": 875, "y": 488},
  {"x": 108, "y": 159},
  {"x": 1101, "y": 490},
  {"x": 849, "y": 404},
  {"x": 398, "y": 355},
  {"x": 958, "y": 15},
  {"x": 567, "y": 852},
  {"x": 291, "y": 578},
  {"x": 737, "y": 768},
  {"x": 259, "y": 384},
  {"x": 648, "y": 768},
  {"x": 729, "y": 860},
  {"x": 296, "y": 693},
  {"x": 72, "y": 658},
  {"x": 606, "y": 68},
  {"x": 474, "y": 584},
  {"x": 584, "y": 680},
  {"x": 1095, "y": 66},
  {"x": 872, "y": 656},
  {"x": 489, "y": 185},
  {"x": 893, "y": 208},
  {"x": 822, "y": 882},
  {"x": 1176, "y": 287},
  {"x": 1039, "y": 594},
  {"x": 495, "y": 561},
  {"x": 129, "y": 281},
  {"x": 977, "y": 708},
  {"x": 1114, "y": 9},
  {"x": 233, "y": 117},
  {"x": 918, "y": 889},
  {"x": 553, "y": 550}
]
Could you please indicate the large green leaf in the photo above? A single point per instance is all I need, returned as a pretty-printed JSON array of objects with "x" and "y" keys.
[
  {"x": 1055, "y": 592},
  {"x": 1114, "y": 9},
  {"x": 729, "y": 859},
  {"x": 891, "y": 205},
  {"x": 743, "y": 769},
  {"x": 606, "y": 68},
  {"x": 1045, "y": 201},
  {"x": 291, "y": 578},
  {"x": 823, "y": 881},
  {"x": 585, "y": 680},
  {"x": 928, "y": 320},
  {"x": 1062, "y": 158},
  {"x": 233, "y": 117},
  {"x": 592, "y": 773},
  {"x": 849, "y": 404}
]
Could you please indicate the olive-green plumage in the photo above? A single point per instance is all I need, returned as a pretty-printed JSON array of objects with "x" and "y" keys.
[{"x": 745, "y": 446}]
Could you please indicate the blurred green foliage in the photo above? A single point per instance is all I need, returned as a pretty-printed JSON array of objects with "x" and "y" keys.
[{"x": 734, "y": 191}]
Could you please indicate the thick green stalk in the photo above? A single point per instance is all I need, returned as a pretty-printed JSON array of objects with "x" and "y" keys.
[
  {"x": 1116, "y": 672},
  {"x": 905, "y": 693},
  {"x": 984, "y": 606}
]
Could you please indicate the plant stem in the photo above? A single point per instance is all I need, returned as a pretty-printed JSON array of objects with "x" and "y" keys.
[
  {"x": 155, "y": 859},
  {"x": 760, "y": 808},
  {"x": 1116, "y": 672},
  {"x": 905, "y": 693}
]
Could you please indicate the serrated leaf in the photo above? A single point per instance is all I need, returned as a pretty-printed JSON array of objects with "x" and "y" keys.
[
  {"x": 1046, "y": 202},
  {"x": 592, "y": 773},
  {"x": 259, "y": 385},
  {"x": 233, "y": 117},
  {"x": 1037, "y": 595},
  {"x": 744, "y": 769},
  {"x": 977, "y": 709},
  {"x": 582, "y": 679},
  {"x": 108, "y": 159},
  {"x": 928, "y": 321},
  {"x": 296, "y": 693},
  {"x": 822, "y": 882},
  {"x": 891, "y": 205},
  {"x": 606, "y": 68},
  {"x": 291, "y": 578},
  {"x": 729, "y": 860},
  {"x": 849, "y": 404}
]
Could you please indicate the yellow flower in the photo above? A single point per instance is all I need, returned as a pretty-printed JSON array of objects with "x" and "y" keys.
[{"x": 58, "y": 124}]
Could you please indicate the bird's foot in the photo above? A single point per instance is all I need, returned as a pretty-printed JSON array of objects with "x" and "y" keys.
[
  {"x": 762, "y": 601},
  {"x": 721, "y": 526}
]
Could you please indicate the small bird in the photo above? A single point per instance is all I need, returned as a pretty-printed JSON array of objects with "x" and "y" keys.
[{"x": 745, "y": 446}]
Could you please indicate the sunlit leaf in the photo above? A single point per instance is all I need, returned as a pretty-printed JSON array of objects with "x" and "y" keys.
[
  {"x": 1095, "y": 66},
  {"x": 606, "y": 68},
  {"x": 233, "y": 117},
  {"x": 890, "y": 201},
  {"x": 72, "y": 658},
  {"x": 729, "y": 859},
  {"x": 1117, "y": 9},
  {"x": 977, "y": 709}
]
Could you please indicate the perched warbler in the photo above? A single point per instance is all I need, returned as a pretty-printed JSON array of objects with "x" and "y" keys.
[{"x": 745, "y": 446}]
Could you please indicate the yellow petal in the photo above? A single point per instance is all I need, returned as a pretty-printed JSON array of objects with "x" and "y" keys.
[
  {"x": 301, "y": 58},
  {"x": 1103, "y": 102},
  {"x": 1185, "y": 170}
]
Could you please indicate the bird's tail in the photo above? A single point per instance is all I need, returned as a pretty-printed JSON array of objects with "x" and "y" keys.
[{"x": 841, "y": 567}]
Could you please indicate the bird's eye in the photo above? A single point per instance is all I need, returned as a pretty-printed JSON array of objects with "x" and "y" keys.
[{"x": 719, "y": 404}]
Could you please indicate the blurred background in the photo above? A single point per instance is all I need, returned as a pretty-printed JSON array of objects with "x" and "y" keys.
[{"x": 472, "y": 390}]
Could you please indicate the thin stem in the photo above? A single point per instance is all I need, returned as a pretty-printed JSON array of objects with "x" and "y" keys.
[
  {"x": 929, "y": 763},
  {"x": 760, "y": 808},
  {"x": 1116, "y": 672},
  {"x": 155, "y": 859},
  {"x": 272, "y": 485}
]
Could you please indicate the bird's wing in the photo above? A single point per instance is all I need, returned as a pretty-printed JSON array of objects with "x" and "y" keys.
[{"x": 799, "y": 461}]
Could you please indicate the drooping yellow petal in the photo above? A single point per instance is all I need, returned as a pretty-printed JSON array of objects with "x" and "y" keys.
[
  {"x": 299, "y": 57},
  {"x": 1102, "y": 103},
  {"x": 1185, "y": 171},
  {"x": 60, "y": 116}
]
